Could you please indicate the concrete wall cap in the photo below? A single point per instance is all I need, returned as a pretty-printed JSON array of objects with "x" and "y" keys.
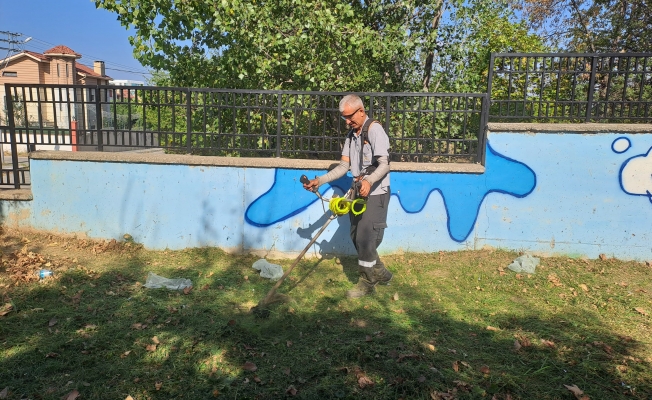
[{"x": 140, "y": 157}]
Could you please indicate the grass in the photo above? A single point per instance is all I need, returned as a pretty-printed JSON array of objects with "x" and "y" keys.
[{"x": 453, "y": 325}]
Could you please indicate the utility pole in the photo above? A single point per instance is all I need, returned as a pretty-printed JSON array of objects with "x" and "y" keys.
[{"x": 12, "y": 44}]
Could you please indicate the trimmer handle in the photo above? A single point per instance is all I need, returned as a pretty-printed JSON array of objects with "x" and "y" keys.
[{"x": 304, "y": 179}]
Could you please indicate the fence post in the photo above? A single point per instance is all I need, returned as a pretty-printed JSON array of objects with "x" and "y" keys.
[
  {"x": 188, "y": 121},
  {"x": 279, "y": 115},
  {"x": 98, "y": 119},
  {"x": 490, "y": 79},
  {"x": 12, "y": 135},
  {"x": 482, "y": 135},
  {"x": 388, "y": 108},
  {"x": 589, "y": 103}
]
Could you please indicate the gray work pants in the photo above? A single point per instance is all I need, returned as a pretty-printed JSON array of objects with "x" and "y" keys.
[{"x": 368, "y": 228}]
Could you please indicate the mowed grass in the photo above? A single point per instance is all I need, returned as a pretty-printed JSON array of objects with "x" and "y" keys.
[{"x": 452, "y": 325}]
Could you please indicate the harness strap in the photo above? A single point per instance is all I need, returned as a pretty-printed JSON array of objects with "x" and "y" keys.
[{"x": 364, "y": 135}]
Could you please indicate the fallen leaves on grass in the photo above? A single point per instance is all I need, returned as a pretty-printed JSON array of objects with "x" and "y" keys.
[
  {"x": 292, "y": 391},
  {"x": 158, "y": 385},
  {"x": 71, "y": 396},
  {"x": 363, "y": 380},
  {"x": 187, "y": 290},
  {"x": 249, "y": 366},
  {"x": 129, "y": 398},
  {"x": 577, "y": 392},
  {"x": 485, "y": 370},
  {"x": 395, "y": 297},
  {"x": 442, "y": 396},
  {"x": 4, "y": 393},
  {"x": 548, "y": 343},
  {"x": 6, "y": 309},
  {"x": 554, "y": 279},
  {"x": 52, "y": 322},
  {"x": 641, "y": 311},
  {"x": 492, "y": 328},
  {"x": 23, "y": 265}
]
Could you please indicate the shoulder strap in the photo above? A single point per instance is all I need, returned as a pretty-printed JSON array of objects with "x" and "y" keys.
[{"x": 364, "y": 135}]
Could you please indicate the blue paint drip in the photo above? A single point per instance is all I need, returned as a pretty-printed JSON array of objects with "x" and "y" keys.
[{"x": 462, "y": 193}]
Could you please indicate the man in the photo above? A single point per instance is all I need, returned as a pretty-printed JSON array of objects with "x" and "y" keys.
[{"x": 367, "y": 229}]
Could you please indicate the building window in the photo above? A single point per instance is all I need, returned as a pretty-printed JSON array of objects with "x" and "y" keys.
[{"x": 9, "y": 73}]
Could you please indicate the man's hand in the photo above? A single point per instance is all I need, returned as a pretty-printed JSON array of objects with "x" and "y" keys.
[
  {"x": 365, "y": 188},
  {"x": 311, "y": 185}
]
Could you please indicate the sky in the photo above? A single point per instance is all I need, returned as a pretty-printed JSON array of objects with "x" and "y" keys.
[{"x": 94, "y": 33}]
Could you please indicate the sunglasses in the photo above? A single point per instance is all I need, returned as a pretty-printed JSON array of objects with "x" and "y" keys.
[{"x": 345, "y": 117}]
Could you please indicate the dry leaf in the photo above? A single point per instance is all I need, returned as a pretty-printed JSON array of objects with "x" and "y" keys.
[
  {"x": 129, "y": 398},
  {"x": 287, "y": 371},
  {"x": 187, "y": 290},
  {"x": 547, "y": 343},
  {"x": 602, "y": 257},
  {"x": 71, "y": 396},
  {"x": 421, "y": 379},
  {"x": 641, "y": 311},
  {"x": 249, "y": 366},
  {"x": 4, "y": 393},
  {"x": 151, "y": 347},
  {"x": 257, "y": 379},
  {"x": 158, "y": 385},
  {"x": 431, "y": 347},
  {"x": 395, "y": 297},
  {"x": 364, "y": 381},
  {"x": 456, "y": 366},
  {"x": 517, "y": 345},
  {"x": 52, "y": 322},
  {"x": 485, "y": 370},
  {"x": 6, "y": 309},
  {"x": 291, "y": 391},
  {"x": 368, "y": 338},
  {"x": 289, "y": 343},
  {"x": 584, "y": 287},
  {"x": 155, "y": 340},
  {"x": 125, "y": 354},
  {"x": 491, "y": 328},
  {"x": 579, "y": 394}
]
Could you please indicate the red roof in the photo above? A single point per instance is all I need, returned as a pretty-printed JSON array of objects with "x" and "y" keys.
[
  {"x": 81, "y": 68},
  {"x": 62, "y": 50},
  {"x": 36, "y": 55}
]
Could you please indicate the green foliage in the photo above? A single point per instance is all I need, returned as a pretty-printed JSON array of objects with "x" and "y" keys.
[{"x": 319, "y": 44}]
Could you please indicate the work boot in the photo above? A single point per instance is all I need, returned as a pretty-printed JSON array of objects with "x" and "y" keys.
[
  {"x": 366, "y": 284},
  {"x": 382, "y": 274}
]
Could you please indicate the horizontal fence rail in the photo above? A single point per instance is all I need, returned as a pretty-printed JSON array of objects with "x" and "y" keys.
[
  {"x": 571, "y": 87},
  {"x": 423, "y": 127}
]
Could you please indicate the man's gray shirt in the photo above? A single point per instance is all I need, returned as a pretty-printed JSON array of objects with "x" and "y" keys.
[{"x": 378, "y": 146}]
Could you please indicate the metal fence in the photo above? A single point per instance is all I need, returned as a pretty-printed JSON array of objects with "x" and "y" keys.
[
  {"x": 423, "y": 127},
  {"x": 571, "y": 87}
]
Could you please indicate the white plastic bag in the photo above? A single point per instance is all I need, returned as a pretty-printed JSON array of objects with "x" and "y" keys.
[
  {"x": 524, "y": 263},
  {"x": 154, "y": 282},
  {"x": 267, "y": 270}
]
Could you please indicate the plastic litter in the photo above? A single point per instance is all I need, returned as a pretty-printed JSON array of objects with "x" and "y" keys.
[
  {"x": 155, "y": 282},
  {"x": 44, "y": 273},
  {"x": 267, "y": 270},
  {"x": 524, "y": 263}
]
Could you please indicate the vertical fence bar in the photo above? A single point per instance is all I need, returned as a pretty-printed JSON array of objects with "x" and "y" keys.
[
  {"x": 188, "y": 121},
  {"x": 490, "y": 79},
  {"x": 98, "y": 119},
  {"x": 279, "y": 115},
  {"x": 12, "y": 135},
  {"x": 484, "y": 122},
  {"x": 589, "y": 103}
]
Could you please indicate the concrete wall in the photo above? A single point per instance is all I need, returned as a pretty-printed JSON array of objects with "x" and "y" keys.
[{"x": 575, "y": 190}]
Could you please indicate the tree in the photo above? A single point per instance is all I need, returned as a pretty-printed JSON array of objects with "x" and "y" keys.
[
  {"x": 372, "y": 45},
  {"x": 592, "y": 25}
]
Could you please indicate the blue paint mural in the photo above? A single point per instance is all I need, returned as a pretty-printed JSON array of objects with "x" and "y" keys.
[
  {"x": 463, "y": 194},
  {"x": 635, "y": 175}
]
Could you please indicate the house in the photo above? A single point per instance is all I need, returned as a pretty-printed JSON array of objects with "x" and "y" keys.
[
  {"x": 47, "y": 107},
  {"x": 57, "y": 65}
]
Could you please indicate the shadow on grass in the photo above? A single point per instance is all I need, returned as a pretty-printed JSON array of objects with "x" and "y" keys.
[{"x": 108, "y": 338}]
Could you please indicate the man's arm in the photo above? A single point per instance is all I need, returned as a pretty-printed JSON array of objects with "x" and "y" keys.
[{"x": 336, "y": 173}]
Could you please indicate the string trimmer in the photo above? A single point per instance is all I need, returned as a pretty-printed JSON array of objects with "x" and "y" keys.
[{"x": 338, "y": 206}]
